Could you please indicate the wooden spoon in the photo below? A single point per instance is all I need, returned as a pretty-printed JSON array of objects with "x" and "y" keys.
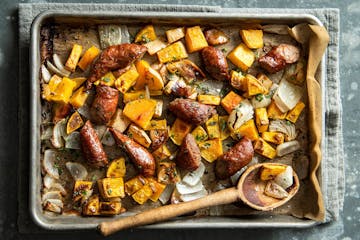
[{"x": 222, "y": 197}]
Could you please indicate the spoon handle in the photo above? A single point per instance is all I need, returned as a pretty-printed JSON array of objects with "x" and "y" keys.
[{"x": 159, "y": 214}]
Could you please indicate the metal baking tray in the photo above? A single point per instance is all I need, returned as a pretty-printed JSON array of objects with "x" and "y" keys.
[{"x": 186, "y": 18}]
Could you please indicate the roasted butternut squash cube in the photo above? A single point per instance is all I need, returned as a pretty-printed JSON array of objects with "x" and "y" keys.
[
  {"x": 147, "y": 76},
  {"x": 264, "y": 80},
  {"x": 143, "y": 194},
  {"x": 262, "y": 120},
  {"x": 146, "y": 34},
  {"x": 126, "y": 80},
  {"x": 134, "y": 184},
  {"x": 212, "y": 127},
  {"x": 110, "y": 208},
  {"x": 139, "y": 135},
  {"x": 211, "y": 149},
  {"x": 75, "y": 122},
  {"x": 294, "y": 113},
  {"x": 74, "y": 57},
  {"x": 231, "y": 101},
  {"x": 63, "y": 91},
  {"x": 242, "y": 57},
  {"x": 131, "y": 96},
  {"x": 248, "y": 129},
  {"x": 92, "y": 206},
  {"x": 200, "y": 134},
  {"x": 161, "y": 153},
  {"x": 157, "y": 125},
  {"x": 195, "y": 39},
  {"x": 82, "y": 190},
  {"x": 264, "y": 149},
  {"x": 141, "y": 66},
  {"x": 167, "y": 172},
  {"x": 119, "y": 121},
  {"x": 140, "y": 111},
  {"x": 175, "y": 34},
  {"x": 224, "y": 129},
  {"x": 155, "y": 46},
  {"x": 274, "y": 112},
  {"x": 79, "y": 81},
  {"x": 179, "y": 130},
  {"x": 173, "y": 52},
  {"x": 238, "y": 81},
  {"x": 108, "y": 79},
  {"x": 156, "y": 187},
  {"x": 48, "y": 89},
  {"x": 117, "y": 168},
  {"x": 252, "y": 38},
  {"x": 269, "y": 172},
  {"x": 273, "y": 137},
  {"x": 88, "y": 57},
  {"x": 254, "y": 86},
  {"x": 79, "y": 97},
  {"x": 111, "y": 187},
  {"x": 209, "y": 99}
]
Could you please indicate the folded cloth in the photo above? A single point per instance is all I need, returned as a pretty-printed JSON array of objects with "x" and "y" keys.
[{"x": 332, "y": 166}]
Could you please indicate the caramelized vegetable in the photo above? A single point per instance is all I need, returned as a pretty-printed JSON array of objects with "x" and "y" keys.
[
  {"x": 88, "y": 57},
  {"x": 139, "y": 135},
  {"x": 140, "y": 111},
  {"x": 216, "y": 37},
  {"x": 75, "y": 121},
  {"x": 116, "y": 169},
  {"x": 110, "y": 208},
  {"x": 195, "y": 39},
  {"x": 252, "y": 38},
  {"x": 145, "y": 35},
  {"x": 173, "y": 52},
  {"x": 242, "y": 57},
  {"x": 73, "y": 58},
  {"x": 264, "y": 149},
  {"x": 111, "y": 187},
  {"x": 79, "y": 97},
  {"x": 231, "y": 101},
  {"x": 211, "y": 149},
  {"x": 175, "y": 34},
  {"x": 179, "y": 130}
]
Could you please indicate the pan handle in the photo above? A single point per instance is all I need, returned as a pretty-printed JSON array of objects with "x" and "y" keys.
[{"x": 160, "y": 214}]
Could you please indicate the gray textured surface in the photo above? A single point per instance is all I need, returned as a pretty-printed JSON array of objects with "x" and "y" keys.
[{"x": 345, "y": 228}]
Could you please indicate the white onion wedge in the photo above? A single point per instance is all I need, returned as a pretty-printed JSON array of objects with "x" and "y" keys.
[
  {"x": 59, "y": 65},
  {"x": 287, "y": 147},
  {"x": 192, "y": 178},
  {"x": 109, "y": 34},
  {"x": 183, "y": 188},
  {"x": 261, "y": 101},
  {"x": 283, "y": 126},
  {"x": 45, "y": 73},
  {"x": 241, "y": 114},
  {"x": 285, "y": 179},
  {"x": 48, "y": 181},
  {"x": 72, "y": 141},
  {"x": 49, "y": 163},
  {"x": 51, "y": 195},
  {"x": 274, "y": 190},
  {"x": 59, "y": 133},
  {"x": 287, "y": 95},
  {"x": 166, "y": 194},
  {"x": 53, "y": 205},
  {"x": 193, "y": 196},
  {"x": 108, "y": 139},
  {"x": 100, "y": 130},
  {"x": 77, "y": 170},
  {"x": 46, "y": 132},
  {"x": 84, "y": 111},
  {"x": 58, "y": 187},
  {"x": 55, "y": 70}
]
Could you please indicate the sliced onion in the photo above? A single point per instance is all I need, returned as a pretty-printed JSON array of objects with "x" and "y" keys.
[
  {"x": 147, "y": 92},
  {"x": 51, "y": 195},
  {"x": 45, "y": 73},
  {"x": 285, "y": 179},
  {"x": 211, "y": 87},
  {"x": 193, "y": 196},
  {"x": 283, "y": 126},
  {"x": 192, "y": 178},
  {"x": 77, "y": 170},
  {"x": 59, "y": 132},
  {"x": 235, "y": 178},
  {"x": 58, "y": 187},
  {"x": 49, "y": 163},
  {"x": 287, "y": 95},
  {"x": 48, "y": 181},
  {"x": 100, "y": 130},
  {"x": 53, "y": 205},
  {"x": 274, "y": 190},
  {"x": 241, "y": 114},
  {"x": 287, "y": 147},
  {"x": 72, "y": 141},
  {"x": 166, "y": 194},
  {"x": 46, "y": 131},
  {"x": 108, "y": 139},
  {"x": 110, "y": 35},
  {"x": 125, "y": 35},
  {"x": 60, "y": 66},
  {"x": 183, "y": 188},
  {"x": 55, "y": 70},
  {"x": 84, "y": 111}
]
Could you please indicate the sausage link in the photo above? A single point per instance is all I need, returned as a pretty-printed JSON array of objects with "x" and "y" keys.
[
  {"x": 142, "y": 159},
  {"x": 104, "y": 104},
  {"x": 215, "y": 63},
  {"x": 189, "y": 157},
  {"x": 91, "y": 146}
]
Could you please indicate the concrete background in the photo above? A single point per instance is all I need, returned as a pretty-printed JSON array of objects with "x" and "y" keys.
[{"x": 345, "y": 228}]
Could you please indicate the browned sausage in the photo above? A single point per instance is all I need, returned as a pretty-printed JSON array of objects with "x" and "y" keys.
[
  {"x": 142, "y": 159},
  {"x": 235, "y": 159},
  {"x": 188, "y": 157},
  {"x": 104, "y": 104},
  {"x": 114, "y": 58},
  {"x": 191, "y": 111},
  {"x": 215, "y": 63},
  {"x": 91, "y": 146},
  {"x": 215, "y": 36},
  {"x": 180, "y": 89},
  {"x": 277, "y": 58},
  {"x": 158, "y": 137}
]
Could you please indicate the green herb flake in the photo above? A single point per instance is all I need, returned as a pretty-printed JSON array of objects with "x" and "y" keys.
[
  {"x": 206, "y": 145},
  {"x": 141, "y": 96},
  {"x": 106, "y": 79},
  {"x": 223, "y": 125},
  {"x": 213, "y": 123},
  {"x": 224, "y": 50},
  {"x": 109, "y": 191},
  {"x": 259, "y": 97}
]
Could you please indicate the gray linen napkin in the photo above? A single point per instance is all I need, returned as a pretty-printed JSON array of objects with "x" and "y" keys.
[{"x": 332, "y": 170}]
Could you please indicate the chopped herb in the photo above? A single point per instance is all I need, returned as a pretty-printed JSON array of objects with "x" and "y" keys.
[
  {"x": 206, "y": 145},
  {"x": 174, "y": 58},
  {"x": 259, "y": 97},
  {"x": 223, "y": 125},
  {"x": 211, "y": 136},
  {"x": 153, "y": 124},
  {"x": 60, "y": 171},
  {"x": 109, "y": 191},
  {"x": 224, "y": 50},
  {"x": 288, "y": 122},
  {"x": 141, "y": 96},
  {"x": 130, "y": 135},
  {"x": 145, "y": 39},
  {"x": 172, "y": 135},
  {"x": 83, "y": 192},
  {"x": 199, "y": 137},
  {"x": 229, "y": 145},
  {"x": 93, "y": 178},
  {"x": 212, "y": 123},
  {"x": 106, "y": 79},
  {"x": 268, "y": 96}
]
